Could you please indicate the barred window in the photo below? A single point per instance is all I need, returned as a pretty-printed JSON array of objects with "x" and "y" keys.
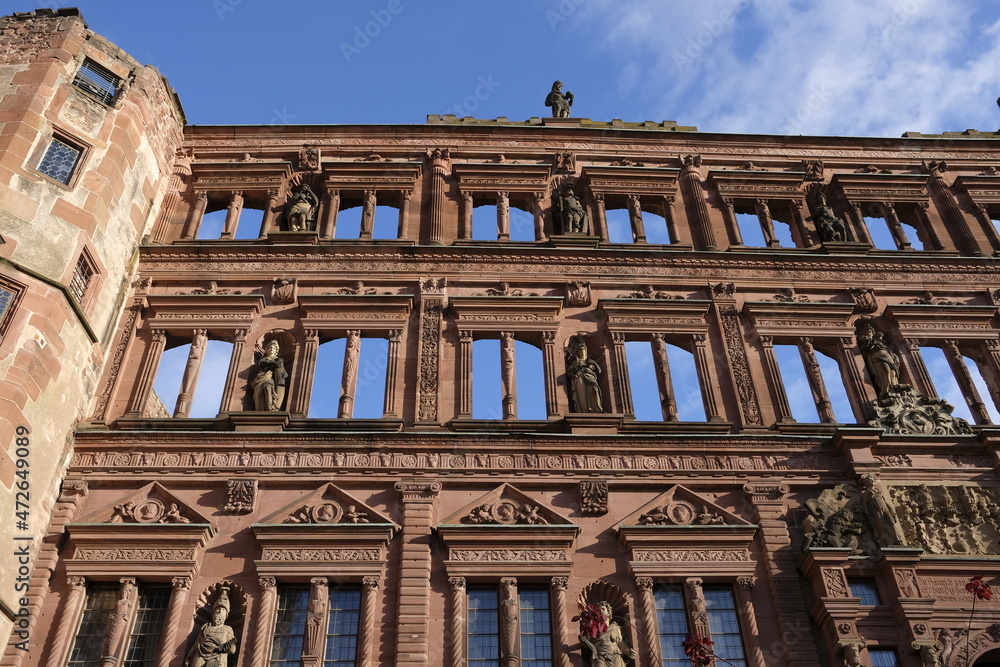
[
  {"x": 82, "y": 275},
  {"x": 59, "y": 160},
  {"x": 723, "y": 624},
  {"x": 150, "y": 617},
  {"x": 97, "y": 81},
  {"x": 342, "y": 629},
  {"x": 483, "y": 628},
  {"x": 290, "y": 626},
  {"x": 101, "y": 600}
]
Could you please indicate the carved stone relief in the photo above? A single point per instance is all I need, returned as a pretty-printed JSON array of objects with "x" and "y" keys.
[
  {"x": 505, "y": 512},
  {"x": 241, "y": 495},
  {"x": 949, "y": 519},
  {"x": 578, "y": 293},
  {"x": 594, "y": 498},
  {"x": 328, "y": 511}
]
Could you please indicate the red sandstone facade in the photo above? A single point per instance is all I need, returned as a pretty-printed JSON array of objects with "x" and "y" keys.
[{"x": 421, "y": 516}]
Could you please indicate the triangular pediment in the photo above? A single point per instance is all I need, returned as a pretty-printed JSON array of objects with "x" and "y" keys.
[
  {"x": 327, "y": 505},
  {"x": 506, "y": 506},
  {"x": 679, "y": 506},
  {"x": 149, "y": 505}
]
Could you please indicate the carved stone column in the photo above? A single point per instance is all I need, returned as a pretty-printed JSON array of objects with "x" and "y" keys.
[
  {"x": 144, "y": 383},
  {"x": 429, "y": 355},
  {"x": 349, "y": 379},
  {"x": 412, "y": 633},
  {"x": 508, "y": 376},
  {"x": 560, "y": 620},
  {"x": 732, "y": 223},
  {"x": 510, "y": 648},
  {"x": 269, "y": 208},
  {"x": 307, "y": 373},
  {"x": 767, "y": 223},
  {"x": 965, "y": 383},
  {"x": 898, "y": 233},
  {"x": 366, "y": 624},
  {"x": 539, "y": 214},
  {"x": 72, "y": 606},
  {"x": 403, "y": 232},
  {"x": 992, "y": 359},
  {"x": 196, "y": 214},
  {"x": 787, "y": 596},
  {"x": 668, "y": 214},
  {"x": 952, "y": 215},
  {"x": 391, "y": 372},
  {"x": 864, "y": 236},
  {"x": 621, "y": 373},
  {"x": 464, "y": 373},
  {"x": 233, "y": 215},
  {"x": 782, "y": 412},
  {"x": 265, "y": 621},
  {"x": 744, "y": 600},
  {"x": 918, "y": 369},
  {"x": 694, "y": 195},
  {"x": 739, "y": 365},
  {"x": 929, "y": 228},
  {"x": 601, "y": 219},
  {"x": 439, "y": 159},
  {"x": 118, "y": 622},
  {"x": 549, "y": 368},
  {"x": 465, "y": 219},
  {"x": 189, "y": 380},
  {"x": 706, "y": 382},
  {"x": 367, "y": 216},
  {"x": 503, "y": 216},
  {"x": 635, "y": 216},
  {"x": 168, "y": 641},
  {"x": 328, "y": 228},
  {"x": 858, "y": 391},
  {"x": 316, "y": 622},
  {"x": 668, "y": 403},
  {"x": 649, "y": 625},
  {"x": 798, "y": 223},
  {"x": 696, "y": 607},
  {"x": 986, "y": 220},
  {"x": 459, "y": 621},
  {"x": 820, "y": 396}
]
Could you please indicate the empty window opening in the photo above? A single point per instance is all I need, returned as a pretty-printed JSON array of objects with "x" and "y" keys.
[
  {"x": 522, "y": 225},
  {"x": 783, "y": 232},
  {"x": 97, "y": 81},
  {"x": 994, "y": 214},
  {"x": 913, "y": 236},
  {"x": 386, "y": 224},
  {"x": 687, "y": 387},
  {"x": 212, "y": 224},
  {"x": 793, "y": 377},
  {"x": 487, "y": 391},
  {"x": 656, "y": 228},
  {"x": 484, "y": 223},
  {"x": 642, "y": 381},
  {"x": 642, "y": 372},
  {"x": 60, "y": 160},
  {"x": 167, "y": 383},
  {"x": 619, "y": 225},
  {"x": 249, "y": 224},
  {"x": 833, "y": 380},
  {"x": 530, "y": 381},
  {"x": 750, "y": 229},
  {"x": 348, "y": 223},
  {"x": 212, "y": 379},
  {"x": 945, "y": 385},
  {"x": 325, "y": 400},
  {"x": 866, "y": 590},
  {"x": 979, "y": 380},
  {"x": 369, "y": 397},
  {"x": 878, "y": 230}
]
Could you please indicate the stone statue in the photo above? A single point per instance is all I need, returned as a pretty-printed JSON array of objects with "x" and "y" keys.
[
  {"x": 581, "y": 378},
  {"x": 828, "y": 225},
  {"x": 852, "y": 654},
  {"x": 608, "y": 649},
  {"x": 930, "y": 655},
  {"x": 569, "y": 211},
  {"x": 559, "y": 101},
  {"x": 301, "y": 209},
  {"x": 271, "y": 379},
  {"x": 216, "y": 641},
  {"x": 881, "y": 514},
  {"x": 881, "y": 360}
]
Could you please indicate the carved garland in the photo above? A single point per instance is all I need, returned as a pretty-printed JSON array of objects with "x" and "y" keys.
[
  {"x": 729, "y": 317},
  {"x": 430, "y": 341}
]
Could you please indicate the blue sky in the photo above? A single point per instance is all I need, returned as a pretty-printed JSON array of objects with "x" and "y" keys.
[{"x": 850, "y": 67}]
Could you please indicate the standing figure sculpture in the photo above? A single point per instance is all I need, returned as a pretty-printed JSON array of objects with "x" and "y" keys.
[
  {"x": 881, "y": 360},
  {"x": 302, "y": 207},
  {"x": 581, "y": 377},
  {"x": 271, "y": 379},
  {"x": 881, "y": 514},
  {"x": 216, "y": 641},
  {"x": 559, "y": 101},
  {"x": 828, "y": 225},
  {"x": 569, "y": 211},
  {"x": 608, "y": 649}
]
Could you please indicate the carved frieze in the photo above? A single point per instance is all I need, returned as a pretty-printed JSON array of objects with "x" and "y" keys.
[{"x": 950, "y": 518}]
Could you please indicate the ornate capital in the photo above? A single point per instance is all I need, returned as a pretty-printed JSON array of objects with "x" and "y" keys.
[
  {"x": 456, "y": 582},
  {"x": 559, "y": 583},
  {"x": 267, "y": 582},
  {"x": 181, "y": 583},
  {"x": 395, "y": 335},
  {"x": 370, "y": 583},
  {"x": 745, "y": 583},
  {"x": 76, "y": 582},
  {"x": 644, "y": 583}
]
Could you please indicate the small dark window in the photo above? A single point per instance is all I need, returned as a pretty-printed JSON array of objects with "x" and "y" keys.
[
  {"x": 59, "y": 160},
  {"x": 97, "y": 81},
  {"x": 82, "y": 275},
  {"x": 866, "y": 590},
  {"x": 883, "y": 657}
]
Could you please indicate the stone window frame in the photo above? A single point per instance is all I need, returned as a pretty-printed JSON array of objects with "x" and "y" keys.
[
  {"x": 16, "y": 290},
  {"x": 387, "y": 181},
  {"x": 88, "y": 259},
  {"x": 231, "y": 184},
  {"x": 58, "y": 133},
  {"x": 761, "y": 189},
  {"x": 983, "y": 192},
  {"x": 101, "y": 73},
  {"x": 503, "y": 183},
  {"x": 652, "y": 189}
]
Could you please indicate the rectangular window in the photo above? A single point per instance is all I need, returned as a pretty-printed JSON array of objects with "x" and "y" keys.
[
  {"x": 883, "y": 657},
  {"x": 536, "y": 628},
  {"x": 342, "y": 629},
  {"x": 483, "y": 628},
  {"x": 866, "y": 590},
  {"x": 671, "y": 619},
  {"x": 97, "y": 81},
  {"x": 724, "y": 625},
  {"x": 150, "y": 617},
  {"x": 97, "y": 610},
  {"x": 59, "y": 160},
  {"x": 82, "y": 274},
  {"x": 290, "y": 626}
]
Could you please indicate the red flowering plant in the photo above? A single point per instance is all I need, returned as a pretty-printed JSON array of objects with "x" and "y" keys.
[
  {"x": 698, "y": 647},
  {"x": 980, "y": 591},
  {"x": 592, "y": 621}
]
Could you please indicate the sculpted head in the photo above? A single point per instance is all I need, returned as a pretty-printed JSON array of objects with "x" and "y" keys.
[
  {"x": 557, "y": 86},
  {"x": 272, "y": 349}
]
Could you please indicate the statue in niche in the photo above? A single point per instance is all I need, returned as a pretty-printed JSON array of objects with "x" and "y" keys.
[
  {"x": 828, "y": 225},
  {"x": 581, "y": 377},
  {"x": 216, "y": 641},
  {"x": 559, "y": 101},
  {"x": 569, "y": 211},
  {"x": 881, "y": 360},
  {"x": 608, "y": 649},
  {"x": 881, "y": 514},
  {"x": 301, "y": 209},
  {"x": 271, "y": 380}
]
